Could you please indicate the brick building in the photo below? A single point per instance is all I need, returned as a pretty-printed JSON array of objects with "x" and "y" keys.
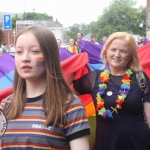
[
  {"x": 148, "y": 19},
  {"x": 5, "y": 40}
]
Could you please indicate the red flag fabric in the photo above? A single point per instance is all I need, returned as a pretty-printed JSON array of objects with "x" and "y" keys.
[
  {"x": 4, "y": 93},
  {"x": 144, "y": 56},
  {"x": 75, "y": 64},
  {"x": 78, "y": 63}
]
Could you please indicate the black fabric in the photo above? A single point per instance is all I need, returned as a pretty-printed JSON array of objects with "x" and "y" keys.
[
  {"x": 34, "y": 99},
  {"x": 127, "y": 130},
  {"x": 78, "y": 134}
]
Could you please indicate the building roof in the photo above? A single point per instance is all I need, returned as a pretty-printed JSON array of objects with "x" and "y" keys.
[
  {"x": 87, "y": 36},
  {"x": 48, "y": 23}
]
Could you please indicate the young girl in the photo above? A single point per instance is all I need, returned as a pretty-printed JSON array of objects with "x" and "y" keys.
[{"x": 42, "y": 112}]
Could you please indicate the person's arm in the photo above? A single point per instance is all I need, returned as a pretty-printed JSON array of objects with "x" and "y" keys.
[
  {"x": 76, "y": 125},
  {"x": 147, "y": 112},
  {"x": 81, "y": 143},
  {"x": 146, "y": 100},
  {"x": 69, "y": 79}
]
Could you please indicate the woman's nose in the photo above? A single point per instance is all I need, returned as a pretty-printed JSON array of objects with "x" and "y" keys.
[{"x": 117, "y": 53}]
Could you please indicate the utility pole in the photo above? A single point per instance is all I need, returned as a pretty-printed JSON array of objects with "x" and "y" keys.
[{"x": 24, "y": 16}]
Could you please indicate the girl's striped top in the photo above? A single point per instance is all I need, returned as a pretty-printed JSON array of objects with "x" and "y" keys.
[{"x": 29, "y": 133}]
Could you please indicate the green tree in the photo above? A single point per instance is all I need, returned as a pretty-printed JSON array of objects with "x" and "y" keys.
[
  {"x": 142, "y": 21},
  {"x": 121, "y": 15},
  {"x": 73, "y": 30},
  {"x": 14, "y": 19},
  {"x": 35, "y": 16},
  {"x": 57, "y": 21}
]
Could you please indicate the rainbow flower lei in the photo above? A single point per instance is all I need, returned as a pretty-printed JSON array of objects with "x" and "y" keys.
[{"x": 125, "y": 87}]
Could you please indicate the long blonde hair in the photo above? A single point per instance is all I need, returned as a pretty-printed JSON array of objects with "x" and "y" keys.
[
  {"x": 134, "y": 63},
  {"x": 57, "y": 90}
]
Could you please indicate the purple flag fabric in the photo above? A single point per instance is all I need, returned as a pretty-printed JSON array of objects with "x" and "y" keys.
[
  {"x": 92, "y": 49},
  {"x": 64, "y": 54},
  {"x": 145, "y": 41},
  {"x": 7, "y": 64},
  {"x": 102, "y": 43}
]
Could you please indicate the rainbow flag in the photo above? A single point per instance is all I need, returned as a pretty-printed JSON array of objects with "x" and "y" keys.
[
  {"x": 40, "y": 62},
  {"x": 7, "y": 66}
]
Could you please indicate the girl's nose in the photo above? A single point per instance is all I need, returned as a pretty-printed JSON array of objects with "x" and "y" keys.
[{"x": 26, "y": 57}]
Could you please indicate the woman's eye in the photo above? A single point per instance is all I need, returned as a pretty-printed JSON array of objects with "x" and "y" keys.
[
  {"x": 113, "y": 50},
  {"x": 123, "y": 51}
]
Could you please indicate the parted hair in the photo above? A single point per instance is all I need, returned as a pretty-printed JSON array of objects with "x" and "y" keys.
[
  {"x": 57, "y": 90},
  {"x": 134, "y": 63}
]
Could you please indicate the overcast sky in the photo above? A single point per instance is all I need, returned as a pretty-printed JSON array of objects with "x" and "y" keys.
[{"x": 67, "y": 12}]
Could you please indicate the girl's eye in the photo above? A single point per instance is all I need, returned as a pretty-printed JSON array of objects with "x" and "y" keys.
[
  {"x": 35, "y": 51},
  {"x": 19, "y": 52}
]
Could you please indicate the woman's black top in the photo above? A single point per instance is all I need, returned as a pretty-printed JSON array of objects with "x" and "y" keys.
[{"x": 127, "y": 130}]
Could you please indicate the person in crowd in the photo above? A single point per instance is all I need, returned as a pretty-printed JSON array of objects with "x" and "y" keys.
[
  {"x": 1, "y": 52},
  {"x": 12, "y": 51},
  {"x": 72, "y": 47},
  {"x": 94, "y": 39},
  {"x": 117, "y": 96},
  {"x": 43, "y": 112},
  {"x": 103, "y": 41},
  {"x": 137, "y": 44},
  {"x": 79, "y": 37},
  {"x": 4, "y": 48},
  {"x": 58, "y": 42}
]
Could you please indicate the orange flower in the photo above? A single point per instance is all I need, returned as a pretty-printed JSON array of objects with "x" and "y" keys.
[
  {"x": 99, "y": 106},
  {"x": 126, "y": 81},
  {"x": 119, "y": 106}
]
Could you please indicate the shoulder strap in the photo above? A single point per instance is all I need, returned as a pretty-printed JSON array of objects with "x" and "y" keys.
[{"x": 141, "y": 80}]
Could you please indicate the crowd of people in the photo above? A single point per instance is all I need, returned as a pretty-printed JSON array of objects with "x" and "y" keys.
[
  {"x": 44, "y": 111},
  {"x": 73, "y": 44},
  {"x": 7, "y": 49}
]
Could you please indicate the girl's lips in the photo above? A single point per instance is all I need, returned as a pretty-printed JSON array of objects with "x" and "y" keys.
[{"x": 26, "y": 67}]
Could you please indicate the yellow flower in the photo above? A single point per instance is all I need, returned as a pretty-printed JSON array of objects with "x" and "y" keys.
[{"x": 99, "y": 99}]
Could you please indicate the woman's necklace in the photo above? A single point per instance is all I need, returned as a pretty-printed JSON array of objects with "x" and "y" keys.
[{"x": 124, "y": 89}]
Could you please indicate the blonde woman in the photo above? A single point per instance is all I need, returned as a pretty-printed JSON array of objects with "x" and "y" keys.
[{"x": 119, "y": 102}]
